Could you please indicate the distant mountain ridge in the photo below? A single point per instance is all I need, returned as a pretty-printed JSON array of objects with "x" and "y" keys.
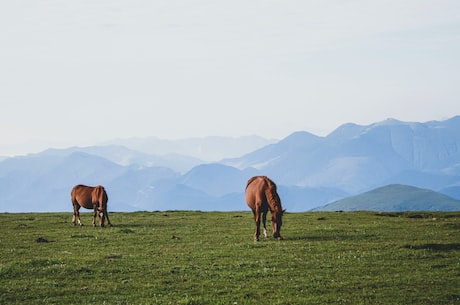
[
  {"x": 207, "y": 149},
  {"x": 310, "y": 171}
]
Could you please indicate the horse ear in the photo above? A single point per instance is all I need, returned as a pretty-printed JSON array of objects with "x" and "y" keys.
[{"x": 284, "y": 211}]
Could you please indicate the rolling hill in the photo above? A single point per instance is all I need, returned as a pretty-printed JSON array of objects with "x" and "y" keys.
[{"x": 395, "y": 198}]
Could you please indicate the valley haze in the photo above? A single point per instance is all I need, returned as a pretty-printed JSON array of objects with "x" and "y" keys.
[{"x": 210, "y": 174}]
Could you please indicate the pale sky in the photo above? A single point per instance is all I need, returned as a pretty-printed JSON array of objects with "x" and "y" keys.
[{"x": 80, "y": 72}]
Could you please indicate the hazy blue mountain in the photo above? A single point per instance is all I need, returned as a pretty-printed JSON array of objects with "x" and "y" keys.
[
  {"x": 357, "y": 158},
  {"x": 310, "y": 171},
  {"x": 217, "y": 179},
  {"x": 124, "y": 156},
  {"x": 139, "y": 188},
  {"x": 451, "y": 191},
  {"x": 395, "y": 198},
  {"x": 42, "y": 182},
  {"x": 295, "y": 143}
]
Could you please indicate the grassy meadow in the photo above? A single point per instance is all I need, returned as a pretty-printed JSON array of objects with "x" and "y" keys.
[{"x": 182, "y": 257}]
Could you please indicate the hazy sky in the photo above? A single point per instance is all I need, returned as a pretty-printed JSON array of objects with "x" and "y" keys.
[{"x": 83, "y": 71}]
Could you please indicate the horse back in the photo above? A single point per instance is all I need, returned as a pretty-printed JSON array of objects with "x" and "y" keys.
[
  {"x": 255, "y": 193},
  {"x": 84, "y": 196}
]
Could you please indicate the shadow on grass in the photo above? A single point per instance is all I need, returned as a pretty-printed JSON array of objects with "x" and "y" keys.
[
  {"x": 419, "y": 215},
  {"x": 331, "y": 237},
  {"x": 435, "y": 247},
  {"x": 131, "y": 225}
]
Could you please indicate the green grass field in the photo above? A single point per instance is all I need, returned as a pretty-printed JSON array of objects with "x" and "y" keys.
[{"x": 210, "y": 258}]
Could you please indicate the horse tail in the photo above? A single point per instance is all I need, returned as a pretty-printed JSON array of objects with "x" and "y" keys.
[
  {"x": 104, "y": 198},
  {"x": 72, "y": 194}
]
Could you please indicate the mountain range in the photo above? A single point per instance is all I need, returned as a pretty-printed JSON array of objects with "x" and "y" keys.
[{"x": 310, "y": 171}]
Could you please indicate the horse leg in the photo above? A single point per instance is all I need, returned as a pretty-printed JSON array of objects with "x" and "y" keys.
[
  {"x": 101, "y": 217},
  {"x": 75, "y": 210},
  {"x": 257, "y": 221},
  {"x": 107, "y": 216},
  {"x": 74, "y": 217},
  {"x": 95, "y": 212},
  {"x": 76, "y": 214},
  {"x": 264, "y": 222}
]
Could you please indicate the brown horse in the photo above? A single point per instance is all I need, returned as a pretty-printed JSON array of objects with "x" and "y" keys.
[
  {"x": 261, "y": 196},
  {"x": 90, "y": 197}
]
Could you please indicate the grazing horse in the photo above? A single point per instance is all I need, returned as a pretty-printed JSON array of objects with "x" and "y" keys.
[
  {"x": 90, "y": 197},
  {"x": 261, "y": 196}
]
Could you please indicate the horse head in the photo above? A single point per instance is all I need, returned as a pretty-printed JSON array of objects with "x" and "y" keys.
[{"x": 277, "y": 222}]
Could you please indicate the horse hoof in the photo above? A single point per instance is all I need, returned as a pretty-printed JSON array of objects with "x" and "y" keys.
[{"x": 280, "y": 238}]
